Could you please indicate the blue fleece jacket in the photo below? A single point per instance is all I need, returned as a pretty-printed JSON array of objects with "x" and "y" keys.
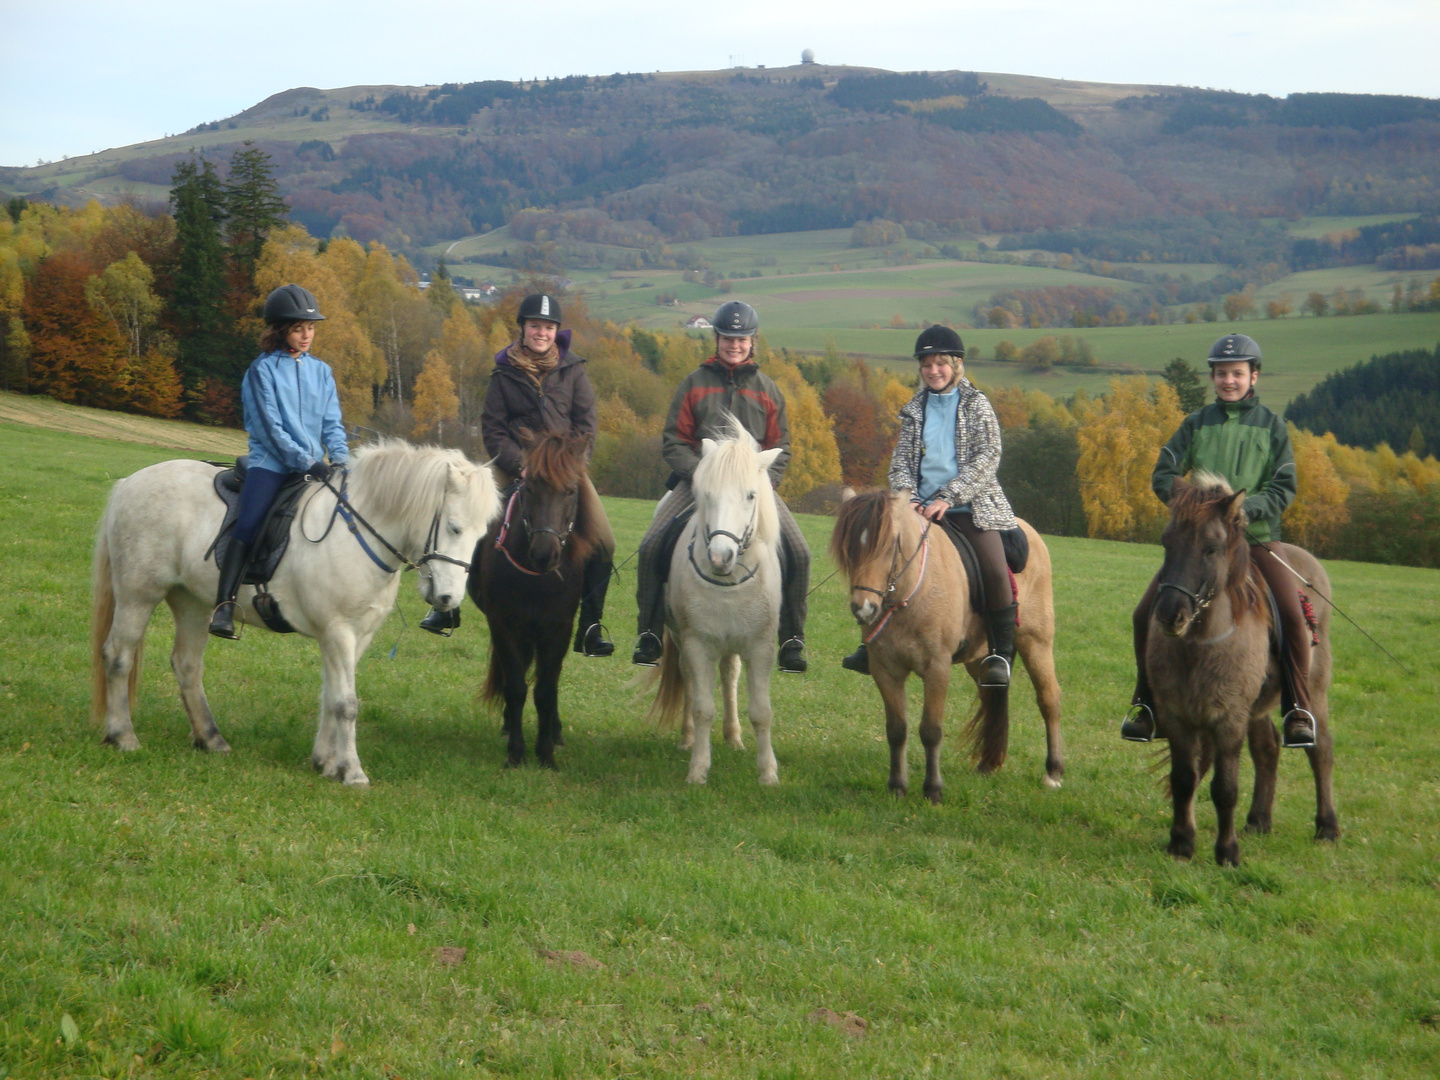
[{"x": 292, "y": 413}]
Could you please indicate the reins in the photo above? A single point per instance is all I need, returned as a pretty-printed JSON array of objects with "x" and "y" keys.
[
  {"x": 922, "y": 551},
  {"x": 354, "y": 520},
  {"x": 500, "y": 538}
]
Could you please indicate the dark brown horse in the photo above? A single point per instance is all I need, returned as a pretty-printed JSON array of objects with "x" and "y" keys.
[
  {"x": 527, "y": 579},
  {"x": 909, "y": 589},
  {"x": 1213, "y": 674}
]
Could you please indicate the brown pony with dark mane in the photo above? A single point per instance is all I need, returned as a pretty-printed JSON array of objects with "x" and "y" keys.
[
  {"x": 527, "y": 579},
  {"x": 909, "y": 588},
  {"x": 1214, "y": 676}
]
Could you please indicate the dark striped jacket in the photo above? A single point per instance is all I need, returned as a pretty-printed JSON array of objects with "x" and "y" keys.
[{"x": 700, "y": 401}]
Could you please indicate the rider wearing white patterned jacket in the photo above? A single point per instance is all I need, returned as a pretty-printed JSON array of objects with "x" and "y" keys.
[{"x": 292, "y": 415}]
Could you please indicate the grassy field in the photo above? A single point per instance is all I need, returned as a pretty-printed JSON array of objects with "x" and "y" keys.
[{"x": 170, "y": 914}]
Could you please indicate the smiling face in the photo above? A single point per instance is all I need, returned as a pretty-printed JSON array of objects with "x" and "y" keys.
[
  {"x": 538, "y": 335},
  {"x": 732, "y": 350},
  {"x": 938, "y": 372},
  {"x": 1233, "y": 379},
  {"x": 300, "y": 336}
]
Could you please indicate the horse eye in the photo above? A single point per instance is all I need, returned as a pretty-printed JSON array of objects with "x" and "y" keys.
[
  {"x": 751, "y": 496},
  {"x": 455, "y": 530}
]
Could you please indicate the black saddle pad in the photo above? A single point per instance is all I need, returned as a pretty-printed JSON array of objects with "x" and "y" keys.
[
  {"x": 274, "y": 535},
  {"x": 1017, "y": 557},
  {"x": 668, "y": 541}
]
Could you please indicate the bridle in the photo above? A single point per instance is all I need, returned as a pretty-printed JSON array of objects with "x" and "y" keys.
[
  {"x": 562, "y": 536},
  {"x": 887, "y": 605},
  {"x": 1200, "y": 602},
  {"x": 354, "y": 520},
  {"x": 742, "y": 544}
]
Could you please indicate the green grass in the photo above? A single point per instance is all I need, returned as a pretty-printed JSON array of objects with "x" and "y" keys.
[
  {"x": 240, "y": 917},
  {"x": 1316, "y": 227}
]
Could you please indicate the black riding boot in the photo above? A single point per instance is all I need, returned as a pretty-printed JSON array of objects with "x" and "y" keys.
[
  {"x": 589, "y": 634},
  {"x": 222, "y": 619},
  {"x": 859, "y": 660},
  {"x": 995, "y": 668},
  {"x": 441, "y": 622},
  {"x": 1139, "y": 722}
]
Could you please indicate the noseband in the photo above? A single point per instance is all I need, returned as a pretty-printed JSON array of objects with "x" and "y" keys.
[
  {"x": 562, "y": 536},
  {"x": 742, "y": 544},
  {"x": 889, "y": 607},
  {"x": 1200, "y": 602}
]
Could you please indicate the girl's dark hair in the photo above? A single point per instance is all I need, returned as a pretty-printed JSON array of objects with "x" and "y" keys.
[{"x": 273, "y": 339}]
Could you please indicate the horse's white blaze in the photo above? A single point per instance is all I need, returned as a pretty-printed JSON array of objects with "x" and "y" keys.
[{"x": 152, "y": 545}]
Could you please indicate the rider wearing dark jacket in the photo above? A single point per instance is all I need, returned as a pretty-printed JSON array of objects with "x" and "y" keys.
[
  {"x": 539, "y": 386},
  {"x": 729, "y": 382},
  {"x": 1238, "y": 438}
]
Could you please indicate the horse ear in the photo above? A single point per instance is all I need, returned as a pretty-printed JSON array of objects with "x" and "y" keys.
[
  {"x": 707, "y": 446},
  {"x": 767, "y": 457},
  {"x": 1234, "y": 510},
  {"x": 847, "y": 493}
]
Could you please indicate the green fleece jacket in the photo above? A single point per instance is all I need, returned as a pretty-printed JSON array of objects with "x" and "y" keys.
[{"x": 1248, "y": 445}]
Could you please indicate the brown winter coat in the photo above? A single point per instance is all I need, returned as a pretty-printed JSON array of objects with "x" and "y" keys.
[{"x": 564, "y": 402}]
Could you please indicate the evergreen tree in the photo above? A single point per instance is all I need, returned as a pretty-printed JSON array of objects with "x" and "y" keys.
[
  {"x": 1186, "y": 384},
  {"x": 204, "y": 331},
  {"x": 253, "y": 207}
]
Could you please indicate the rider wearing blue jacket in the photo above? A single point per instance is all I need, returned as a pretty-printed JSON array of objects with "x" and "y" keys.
[{"x": 292, "y": 415}]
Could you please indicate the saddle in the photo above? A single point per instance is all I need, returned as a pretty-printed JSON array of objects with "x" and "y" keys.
[
  {"x": 270, "y": 544},
  {"x": 669, "y": 539},
  {"x": 1017, "y": 557}
]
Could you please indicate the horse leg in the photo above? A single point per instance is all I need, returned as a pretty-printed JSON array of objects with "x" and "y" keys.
[
  {"x": 515, "y": 660},
  {"x": 549, "y": 659},
  {"x": 1039, "y": 658},
  {"x": 757, "y": 695},
  {"x": 730, "y": 699},
  {"x": 1225, "y": 793},
  {"x": 892, "y": 693},
  {"x": 120, "y": 656},
  {"x": 334, "y": 754},
  {"x": 1265, "y": 755},
  {"x": 1322, "y": 763},
  {"x": 699, "y": 670},
  {"x": 187, "y": 661},
  {"x": 1184, "y": 777},
  {"x": 932, "y": 724}
]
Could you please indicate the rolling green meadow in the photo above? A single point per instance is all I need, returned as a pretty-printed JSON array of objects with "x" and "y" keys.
[{"x": 167, "y": 913}]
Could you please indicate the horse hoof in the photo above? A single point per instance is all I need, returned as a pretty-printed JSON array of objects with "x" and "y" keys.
[
  {"x": 1180, "y": 850},
  {"x": 127, "y": 741},
  {"x": 737, "y": 743},
  {"x": 1329, "y": 832},
  {"x": 769, "y": 779},
  {"x": 1227, "y": 856},
  {"x": 900, "y": 791},
  {"x": 687, "y": 743},
  {"x": 1258, "y": 826},
  {"x": 696, "y": 778},
  {"x": 216, "y": 744},
  {"x": 936, "y": 797},
  {"x": 1053, "y": 782},
  {"x": 357, "y": 780}
]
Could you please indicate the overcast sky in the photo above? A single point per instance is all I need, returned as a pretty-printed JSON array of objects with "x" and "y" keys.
[{"x": 80, "y": 75}]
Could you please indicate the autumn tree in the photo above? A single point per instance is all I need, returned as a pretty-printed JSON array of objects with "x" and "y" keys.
[
  {"x": 859, "y": 434},
  {"x": 1319, "y": 509},
  {"x": 77, "y": 355},
  {"x": 1118, "y": 447},
  {"x": 435, "y": 398},
  {"x": 814, "y": 454}
]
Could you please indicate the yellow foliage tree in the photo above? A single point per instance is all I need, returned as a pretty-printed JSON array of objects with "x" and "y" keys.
[
  {"x": 1319, "y": 508},
  {"x": 814, "y": 455},
  {"x": 289, "y": 255},
  {"x": 435, "y": 397},
  {"x": 470, "y": 362},
  {"x": 1118, "y": 447}
]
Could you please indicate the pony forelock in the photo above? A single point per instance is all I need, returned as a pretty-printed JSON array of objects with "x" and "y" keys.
[
  {"x": 732, "y": 464},
  {"x": 863, "y": 529},
  {"x": 1196, "y": 501}
]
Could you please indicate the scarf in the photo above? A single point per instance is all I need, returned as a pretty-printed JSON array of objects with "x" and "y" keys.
[{"x": 536, "y": 365}]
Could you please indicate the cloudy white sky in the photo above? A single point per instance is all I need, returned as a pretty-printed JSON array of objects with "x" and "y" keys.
[{"x": 81, "y": 75}]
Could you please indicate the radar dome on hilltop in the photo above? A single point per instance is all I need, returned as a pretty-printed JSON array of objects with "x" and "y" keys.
[{"x": 808, "y": 56}]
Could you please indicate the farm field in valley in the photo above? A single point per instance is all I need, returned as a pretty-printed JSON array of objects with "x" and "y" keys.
[{"x": 167, "y": 913}]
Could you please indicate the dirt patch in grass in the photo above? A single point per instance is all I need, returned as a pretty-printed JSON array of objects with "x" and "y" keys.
[{"x": 47, "y": 413}]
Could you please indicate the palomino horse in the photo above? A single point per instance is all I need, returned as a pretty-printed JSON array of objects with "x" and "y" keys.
[
  {"x": 1213, "y": 675},
  {"x": 527, "y": 580},
  {"x": 427, "y": 506},
  {"x": 722, "y": 603},
  {"x": 908, "y": 587}
]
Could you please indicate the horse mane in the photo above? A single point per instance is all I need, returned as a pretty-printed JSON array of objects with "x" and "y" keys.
[
  {"x": 559, "y": 462},
  {"x": 1194, "y": 502},
  {"x": 862, "y": 529},
  {"x": 394, "y": 479},
  {"x": 732, "y": 464}
]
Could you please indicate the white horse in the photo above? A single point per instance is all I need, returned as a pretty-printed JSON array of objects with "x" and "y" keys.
[
  {"x": 722, "y": 603},
  {"x": 425, "y": 507}
]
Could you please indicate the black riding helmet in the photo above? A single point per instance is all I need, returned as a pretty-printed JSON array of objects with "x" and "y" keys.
[
  {"x": 292, "y": 303},
  {"x": 539, "y": 306},
  {"x": 1235, "y": 347},
  {"x": 735, "y": 318},
  {"x": 939, "y": 341}
]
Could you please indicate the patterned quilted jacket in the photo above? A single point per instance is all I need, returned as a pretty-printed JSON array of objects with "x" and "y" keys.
[{"x": 977, "y": 449}]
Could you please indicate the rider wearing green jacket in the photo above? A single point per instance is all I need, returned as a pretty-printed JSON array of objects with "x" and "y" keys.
[{"x": 1238, "y": 438}]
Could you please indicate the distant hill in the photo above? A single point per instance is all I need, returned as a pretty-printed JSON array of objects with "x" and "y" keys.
[{"x": 690, "y": 155}]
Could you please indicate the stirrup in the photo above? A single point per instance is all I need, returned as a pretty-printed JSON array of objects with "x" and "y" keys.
[
  {"x": 600, "y": 647},
  {"x": 986, "y": 673},
  {"x": 647, "y": 654},
  {"x": 1300, "y": 742},
  {"x": 441, "y": 622},
  {"x": 1139, "y": 723},
  {"x": 223, "y": 627},
  {"x": 792, "y": 657}
]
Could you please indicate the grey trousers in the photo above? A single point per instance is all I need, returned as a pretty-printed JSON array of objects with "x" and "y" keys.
[{"x": 650, "y": 575}]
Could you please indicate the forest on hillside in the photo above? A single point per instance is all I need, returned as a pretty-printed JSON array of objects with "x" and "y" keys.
[{"x": 757, "y": 152}]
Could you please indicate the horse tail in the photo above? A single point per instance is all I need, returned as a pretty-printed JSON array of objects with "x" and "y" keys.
[
  {"x": 669, "y": 705},
  {"x": 988, "y": 732},
  {"x": 102, "y": 618},
  {"x": 494, "y": 687}
]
